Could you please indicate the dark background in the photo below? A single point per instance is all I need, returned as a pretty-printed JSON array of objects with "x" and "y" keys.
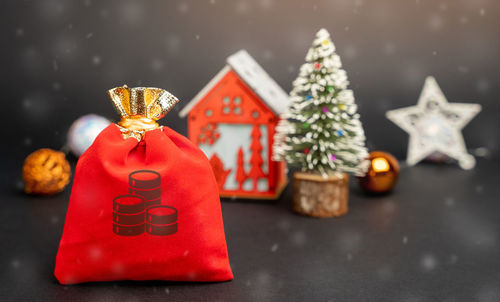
[{"x": 58, "y": 58}]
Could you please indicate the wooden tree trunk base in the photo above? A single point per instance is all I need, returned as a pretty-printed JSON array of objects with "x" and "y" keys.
[{"x": 316, "y": 196}]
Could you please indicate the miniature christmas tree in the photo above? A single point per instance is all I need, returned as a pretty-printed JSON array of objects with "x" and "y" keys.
[
  {"x": 321, "y": 131},
  {"x": 256, "y": 158},
  {"x": 240, "y": 171}
]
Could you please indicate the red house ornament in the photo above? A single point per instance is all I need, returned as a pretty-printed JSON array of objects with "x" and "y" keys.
[{"x": 233, "y": 119}]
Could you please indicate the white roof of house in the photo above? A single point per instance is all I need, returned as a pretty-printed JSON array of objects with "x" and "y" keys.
[{"x": 254, "y": 76}]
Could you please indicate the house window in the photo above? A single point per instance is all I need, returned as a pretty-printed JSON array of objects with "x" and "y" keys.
[
  {"x": 208, "y": 112},
  {"x": 255, "y": 114},
  {"x": 235, "y": 104}
]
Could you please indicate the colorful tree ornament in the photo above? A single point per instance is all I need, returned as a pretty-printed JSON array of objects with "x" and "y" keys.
[
  {"x": 46, "y": 172},
  {"x": 382, "y": 174},
  {"x": 83, "y": 132}
]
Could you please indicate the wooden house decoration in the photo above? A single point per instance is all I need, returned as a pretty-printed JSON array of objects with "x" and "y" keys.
[{"x": 233, "y": 119}]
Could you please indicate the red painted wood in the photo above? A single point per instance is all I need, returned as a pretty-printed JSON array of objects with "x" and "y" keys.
[
  {"x": 252, "y": 111},
  {"x": 241, "y": 175}
]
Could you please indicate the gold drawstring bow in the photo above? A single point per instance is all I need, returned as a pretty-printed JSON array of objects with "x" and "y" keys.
[{"x": 140, "y": 108}]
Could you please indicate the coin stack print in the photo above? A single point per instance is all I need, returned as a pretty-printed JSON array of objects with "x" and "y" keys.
[
  {"x": 128, "y": 215},
  {"x": 141, "y": 210},
  {"x": 147, "y": 184},
  {"x": 161, "y": 220}
]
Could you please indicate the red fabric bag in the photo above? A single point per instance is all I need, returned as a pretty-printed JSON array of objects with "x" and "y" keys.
[{"x": 143, "y": 209}]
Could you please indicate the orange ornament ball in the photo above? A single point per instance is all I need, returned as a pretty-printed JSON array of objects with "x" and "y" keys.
[
  {"x": 46, "y": 172},
  {"x": 382, "y": 174}
]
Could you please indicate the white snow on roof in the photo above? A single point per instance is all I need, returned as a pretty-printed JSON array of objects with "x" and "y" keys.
[
  {"x": 258, "y": 79},
  {"x": 254, "y": 76}
]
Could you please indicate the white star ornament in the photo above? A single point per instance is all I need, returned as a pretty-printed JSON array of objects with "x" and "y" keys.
[{"x": 434, "y": 126}]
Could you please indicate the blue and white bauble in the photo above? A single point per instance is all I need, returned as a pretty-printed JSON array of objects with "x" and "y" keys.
[{"x": 83, "y": 132}]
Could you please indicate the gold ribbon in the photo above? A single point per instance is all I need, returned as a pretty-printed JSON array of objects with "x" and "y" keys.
[
  {"x": 140, "y": 108},
  {"x": 136, "y": 126}
]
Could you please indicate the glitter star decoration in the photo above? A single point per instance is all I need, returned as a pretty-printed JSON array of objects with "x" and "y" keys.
[{"x": 434, "y": 126}]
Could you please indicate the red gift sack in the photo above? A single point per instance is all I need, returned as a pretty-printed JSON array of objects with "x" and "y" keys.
[{"x": 144, "y": 203}]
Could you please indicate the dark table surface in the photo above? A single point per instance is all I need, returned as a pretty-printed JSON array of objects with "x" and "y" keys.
[{"x": 434, "y": 239}]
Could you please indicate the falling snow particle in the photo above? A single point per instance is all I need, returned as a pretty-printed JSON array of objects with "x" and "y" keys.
[
  {"x": 284, "y": 225},
  {"x": 27, "y": 141},
  {"x": 20, "y": 185},
  {"x": 483, "y": 85},
  {"x": 389, "y": 49},
  {"x": 298, "y": 238},
  {"x": 435, "y": 23},
  {"x": 27, "y": 103},
  {"x": 449, "y": 201},
  {"x": 274, "y": 248},
  {"x": 197, "y": 37},
  {"x": 19, "y": 32},
  {"x": 15, "y": 263},
  {"x": 173, "y": 44},
  {"x": 482, "y": 12},
  {"x": 157, "y": 64},
  {"x": 268, "y": 54},
  {"x": 104, "y": 13},
  {"x": 89, "y": 35},
  {"x": 463, "y": 69},
  {"x": 405, "y": 239},
  {"x": 481, "y": 152},
  {"x": 183, "y": 7},
  {"x": 428, "y": 263},
  {"x": 242, "y": 7},
  {"x": 479, "y": 189},
  {"x": 350, "y": 52},
  {"x": 167, "y": 291},
  {"x": 54, "y": 219},
  {"x": 384, "y": 273},
  {"x": 349, "y": 256},
  {"x": 453, "y": 258},
  {"x": 96, "y": 60}
]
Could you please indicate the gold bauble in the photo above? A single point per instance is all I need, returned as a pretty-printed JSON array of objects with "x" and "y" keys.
[
  {"x": 382, "y": 174},
  {"x": 46, "y": 172}
]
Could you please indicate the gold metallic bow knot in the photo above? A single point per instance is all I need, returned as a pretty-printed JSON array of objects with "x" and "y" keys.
[{"x": 140, "y": 108}]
